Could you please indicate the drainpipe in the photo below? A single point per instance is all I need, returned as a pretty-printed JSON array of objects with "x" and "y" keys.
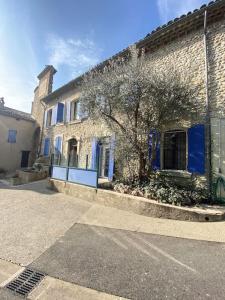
[
  {"x": 208, "y": 131},
  {"x": 42, "y": 130}
]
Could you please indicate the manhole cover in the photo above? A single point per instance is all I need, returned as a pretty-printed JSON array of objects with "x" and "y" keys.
[{"x": 25, "y": 282}]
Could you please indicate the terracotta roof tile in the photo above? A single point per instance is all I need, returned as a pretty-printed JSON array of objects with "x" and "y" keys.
[{"x": 7, "y": 111}]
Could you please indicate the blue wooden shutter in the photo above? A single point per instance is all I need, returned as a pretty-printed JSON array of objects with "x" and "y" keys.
[
  {"x": 154, "y": 136},
  {"x": 54, "y": 115},
  {"x": 68, "y": 106},
  {"x": 60, "y": 113},
  {"x": 156, "y": 165},
  {"x": 150, "y": 140},
  {"x": 196, "y": 149},
  {"x": 12, "y": 136},
  {"x": 94, "y": 153},
  {"x": 46, "y": 146},
  {"x": 111, "y": 157}
]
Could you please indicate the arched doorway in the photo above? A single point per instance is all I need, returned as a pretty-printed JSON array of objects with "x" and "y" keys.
[{"x": 72, "y": 153}]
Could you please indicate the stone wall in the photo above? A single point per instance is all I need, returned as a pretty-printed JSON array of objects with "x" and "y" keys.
[
  {"x": 38, "y": 107},
  {"x": 187, "y": 55},
  {"x": 10, "y": 153}
]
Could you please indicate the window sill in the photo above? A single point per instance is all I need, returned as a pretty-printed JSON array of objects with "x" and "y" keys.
[
  {"x": 75, "y": 122},
  {"x": 176, "y": 173}
]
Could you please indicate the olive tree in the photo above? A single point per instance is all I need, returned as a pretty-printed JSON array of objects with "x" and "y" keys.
[{"x": 133, "y": 98}]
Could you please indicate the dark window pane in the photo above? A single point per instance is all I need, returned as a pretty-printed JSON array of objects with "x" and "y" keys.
[{"x": 175, "y": 150}]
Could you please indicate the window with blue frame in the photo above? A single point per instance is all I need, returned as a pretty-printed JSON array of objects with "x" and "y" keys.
[
  {"x": 49, "y": 118},
  {"x": 185, "y": 150},
  {"x": 75, "y": 110},
  {"x": 12, "y": 136}
]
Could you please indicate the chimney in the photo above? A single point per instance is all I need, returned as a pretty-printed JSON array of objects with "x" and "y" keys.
[{"x": 46, "y": 81}]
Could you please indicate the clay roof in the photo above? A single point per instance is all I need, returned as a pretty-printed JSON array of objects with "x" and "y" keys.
[
  {"x": 160, "y": 36},
  {"x": 17, "y": 114}
]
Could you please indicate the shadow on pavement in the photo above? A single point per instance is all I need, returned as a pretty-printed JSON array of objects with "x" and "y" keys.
[{"x": 40, "y": 187}]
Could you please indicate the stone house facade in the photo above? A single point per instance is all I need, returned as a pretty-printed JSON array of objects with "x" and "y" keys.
[
  {"x": 17, "y": 139},
  {"x": 192, "y": 44}
]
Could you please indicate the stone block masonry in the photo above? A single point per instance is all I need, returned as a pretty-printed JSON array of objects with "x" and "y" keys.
[{"x": 137, "y": 205}]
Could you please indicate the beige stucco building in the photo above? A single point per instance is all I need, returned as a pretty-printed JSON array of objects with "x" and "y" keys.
[
  {"x": 17, "y": 139},
  {"x": 193, "y": 43}
]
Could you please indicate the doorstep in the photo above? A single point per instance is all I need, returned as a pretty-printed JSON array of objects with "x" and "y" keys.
[{"x": 139, "y": 205}]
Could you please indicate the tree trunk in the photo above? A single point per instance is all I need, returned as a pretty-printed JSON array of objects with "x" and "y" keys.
[{"x": 142, "y": 166}]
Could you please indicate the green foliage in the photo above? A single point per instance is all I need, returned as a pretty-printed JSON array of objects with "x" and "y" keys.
[
  {"x": 161, "y": 191},
  {"x": 132, "y": 97}
]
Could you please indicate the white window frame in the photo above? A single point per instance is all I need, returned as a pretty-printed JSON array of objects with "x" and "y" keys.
[{"x": 73, "y": 103}]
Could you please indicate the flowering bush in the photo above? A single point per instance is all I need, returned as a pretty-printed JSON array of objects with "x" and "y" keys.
[{"x": 162, "y": 191}]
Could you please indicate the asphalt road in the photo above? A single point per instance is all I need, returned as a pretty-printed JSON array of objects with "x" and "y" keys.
[{"x": 136, "y": 265}]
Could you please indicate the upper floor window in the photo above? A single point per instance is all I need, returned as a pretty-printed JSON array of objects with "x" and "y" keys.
[
  {"x": 12, "y": 136},
  {"x": 175, "y": 150},
  {"x": 49, "y": 118},
  {"x": 75, "y": 110},
  {"x": 60, "y": 113}
]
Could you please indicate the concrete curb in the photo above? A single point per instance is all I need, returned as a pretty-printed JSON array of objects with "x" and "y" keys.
[{"x": 138, "y": 205}]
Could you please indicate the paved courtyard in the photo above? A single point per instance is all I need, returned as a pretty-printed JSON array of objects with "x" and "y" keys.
[{"x": 107, "y": 250}]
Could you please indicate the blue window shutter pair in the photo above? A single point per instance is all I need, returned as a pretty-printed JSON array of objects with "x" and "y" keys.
[
  {"x": 111, "y": 158},
  {"x": 196, "y": 149},
  {"x": 58, "y": 145},
  {"x": 60, "y": 113},
  {"x": 68, "y": 108},
  {"x": 46, "y": 146},
  {"x": 12, "y": 136},
  {"x": 154, "y": 136},
  {"x": 94, "y": 153}
]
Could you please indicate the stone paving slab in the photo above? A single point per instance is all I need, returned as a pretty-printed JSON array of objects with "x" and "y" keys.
[
  {"x": 8, "y": 271},
  {"x": 55, "y": 289}
]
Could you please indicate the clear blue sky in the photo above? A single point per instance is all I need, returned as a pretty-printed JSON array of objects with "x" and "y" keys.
[{"x": 72, "y": 35}]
